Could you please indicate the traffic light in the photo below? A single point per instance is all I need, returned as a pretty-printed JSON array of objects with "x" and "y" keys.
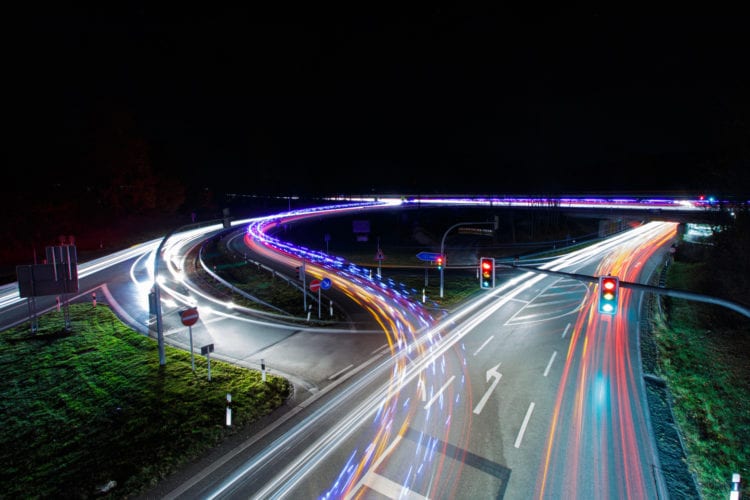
[
  {"x": 608, "y": 288},
  {"x": 439, "y": 262},
  {"x": 487, "y": 272}
]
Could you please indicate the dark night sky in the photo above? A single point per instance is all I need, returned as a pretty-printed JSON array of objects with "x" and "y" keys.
[{"x": 433, "y": 100}]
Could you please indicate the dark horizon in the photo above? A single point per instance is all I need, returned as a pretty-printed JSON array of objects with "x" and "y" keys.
[{"x": 441, "y": 100}]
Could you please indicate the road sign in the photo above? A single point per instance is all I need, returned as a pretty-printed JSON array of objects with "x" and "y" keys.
[
  {"x": 428, "y": 256},
  {"x": 189, "y": 316},
  {"x": 207, "y": 349},
  {"x": 325, "y": 283},
  {"x": 314, "y": 285}
]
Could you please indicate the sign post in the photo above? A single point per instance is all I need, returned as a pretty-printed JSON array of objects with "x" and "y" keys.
[
  {"x": 229, "y": 409},
  {"x": 189, "y": 317},
  {"x": 315, "y": 287},
  {"x": 379, "y": 256},
  {"x": 207, "y": 350},
  {"x": 303, "y": 272},
  {"x": 427, "y": 257}
]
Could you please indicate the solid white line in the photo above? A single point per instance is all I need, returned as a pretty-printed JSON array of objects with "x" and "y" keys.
[
  {"x": 384, "y": 346},
  {"x": 390, "y": 489},
  {"x": 485, "y": 343},
  {"x": 445, "y": 386},
  {"x": 339, "y": 372},
  {"x": 549, "y": 365},
  {"x": 523, "y": 426},
  {"x": 548, "y": 303},
  {"x": 374, "y": 466},
  {"x": 566, "y": 330}
]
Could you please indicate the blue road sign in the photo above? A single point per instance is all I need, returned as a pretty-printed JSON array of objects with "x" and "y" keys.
[
  {"x": 325, "y": 283},
  {"x": 428, "y": 256}
]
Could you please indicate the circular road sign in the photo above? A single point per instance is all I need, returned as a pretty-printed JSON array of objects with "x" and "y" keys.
[
  {"x": 189, "y": 316},
  {"x": 314, "y": 285},
  {"x": 325, "y": 283}
]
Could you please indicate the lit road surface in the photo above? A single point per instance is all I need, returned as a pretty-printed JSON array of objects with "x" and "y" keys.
[
  {"x": 526, "y": 392},
  {"x": 599, "y": 443}
]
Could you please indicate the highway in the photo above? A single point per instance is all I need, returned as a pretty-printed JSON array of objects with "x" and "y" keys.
[
  {"x": 474, "y": 404},
  {"x": 526, "y": 391}
]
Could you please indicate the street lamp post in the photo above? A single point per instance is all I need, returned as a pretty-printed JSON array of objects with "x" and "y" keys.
[
  {"x": 442, "y": 245},
  {"x": 157, "y": 290}
]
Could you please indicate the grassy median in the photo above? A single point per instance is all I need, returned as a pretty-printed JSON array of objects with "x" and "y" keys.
[{"x": 89, "y": 408}]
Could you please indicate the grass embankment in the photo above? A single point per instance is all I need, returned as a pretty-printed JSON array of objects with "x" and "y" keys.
[
  {"x": 703, "y": 355},
  {"x": 91, "y": 405}
]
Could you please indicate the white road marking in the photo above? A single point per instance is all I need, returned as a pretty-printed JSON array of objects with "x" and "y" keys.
[
  {"x": 549, "y": 365},
  {"x": 340, "y": 372},
  {"x": 437, "y": 395},
  {"x": 390, "y": 489},
  {"x": 485, "y": 343},
  {"x": 491, "y": 373},
  {"x": 523, "y": 426},
  {"x": 567, "y": 327}
]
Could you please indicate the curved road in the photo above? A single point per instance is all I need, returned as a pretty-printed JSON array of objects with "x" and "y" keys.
[{"x": 526, "y": 391}]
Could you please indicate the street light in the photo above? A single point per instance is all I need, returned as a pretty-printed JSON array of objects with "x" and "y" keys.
[
  {"x": 155, "y": 295},
  {"x": 442, "y": 244}
]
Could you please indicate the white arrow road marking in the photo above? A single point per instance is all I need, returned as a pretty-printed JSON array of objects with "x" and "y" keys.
[
  {"x": 491, "y": 373},
  {"x": 422, "y": 389}
]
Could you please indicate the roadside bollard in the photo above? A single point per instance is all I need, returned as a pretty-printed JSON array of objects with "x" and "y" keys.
[{"x": 735, "y": 493}]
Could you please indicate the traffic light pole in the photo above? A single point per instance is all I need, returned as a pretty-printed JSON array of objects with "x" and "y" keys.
[
  {"x": 442, "y": 245},
  {"x": 680, "y": 294}
]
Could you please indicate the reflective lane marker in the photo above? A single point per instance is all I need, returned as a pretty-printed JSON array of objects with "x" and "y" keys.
[
  {"x": 549, "y": 365},
  {"x": 523, "y": 426}
]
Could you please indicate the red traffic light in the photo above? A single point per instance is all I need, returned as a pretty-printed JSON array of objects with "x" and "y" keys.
[
  {"x": 608, "y": 288},
  {"x": 486, "y": 272}
]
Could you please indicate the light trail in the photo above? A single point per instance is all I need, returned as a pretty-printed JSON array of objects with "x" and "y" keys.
[{"x": 598, "y": 451}]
